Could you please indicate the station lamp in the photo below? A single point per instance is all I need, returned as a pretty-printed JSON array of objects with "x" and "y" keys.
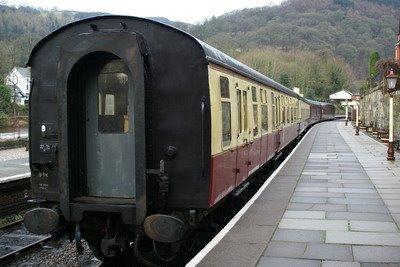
[{"x": 391, "y": 79}]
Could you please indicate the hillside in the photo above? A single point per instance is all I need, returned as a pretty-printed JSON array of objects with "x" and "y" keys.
[
  {"x": 21, "y": 28},
  {"x": 350, "y": 29}
]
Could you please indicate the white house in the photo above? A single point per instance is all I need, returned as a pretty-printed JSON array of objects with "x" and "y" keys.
[{"x": 19, "y": 79}]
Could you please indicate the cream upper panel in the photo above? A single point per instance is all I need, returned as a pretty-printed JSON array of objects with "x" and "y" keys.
[{"x": 245, "y": 125}]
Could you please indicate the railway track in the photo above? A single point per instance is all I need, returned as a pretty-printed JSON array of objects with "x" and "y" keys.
[
  {"x": 14, "y": 196},
  {"x": 16, "y": 240},
  {"x": 18, "y": 247}
]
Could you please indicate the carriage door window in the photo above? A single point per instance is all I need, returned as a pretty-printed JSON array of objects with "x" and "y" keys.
[
  {"x": 113, "y": 99},
  {"x": 284, "y": 109},
  {"x": 245, "y": 112},
  {"x": 239, "y": 109},
  {"x": 226, "y": 111},
  {"x": 273, "y": 111},
  {"x": 264, "y": 113},
  {"x": 255, "y": 110}
]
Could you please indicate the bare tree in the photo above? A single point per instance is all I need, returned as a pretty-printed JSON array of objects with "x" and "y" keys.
[{"x": 13, "y": 79}]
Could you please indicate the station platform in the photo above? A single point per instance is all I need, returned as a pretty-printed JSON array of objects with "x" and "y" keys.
[
  {"x": 14, "y": 164},
  {"x": 335, "y": 201}
]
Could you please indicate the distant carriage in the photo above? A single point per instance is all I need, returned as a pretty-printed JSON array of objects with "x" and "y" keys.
[{"x": 138, "y": 129}]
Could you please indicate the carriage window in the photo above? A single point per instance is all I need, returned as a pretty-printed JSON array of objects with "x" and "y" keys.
[
  {"x": 255, "y": 114},
  {"x": 109, "y": 108},
  {"x": 264, "y": 118},
  {"x": 239, "y": 107},
  {"x": 279, "y": 110},
  {"x": 224, "y": 86},
  {"x": 226, "y": 124},
  {"x": 273, "y": 109},
  {"x": 245, "y": 111},
  {"x": 113, "y": 98},
  {"x": 254, "y": 93}
]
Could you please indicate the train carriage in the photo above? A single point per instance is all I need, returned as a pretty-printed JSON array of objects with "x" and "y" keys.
[{"x": 139, "y": 128}]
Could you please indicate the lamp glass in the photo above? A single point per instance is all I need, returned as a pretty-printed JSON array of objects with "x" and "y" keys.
[{"x": 392, "y": 82}]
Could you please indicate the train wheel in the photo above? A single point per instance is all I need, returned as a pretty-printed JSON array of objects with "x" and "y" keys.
[{"x": 121, "y": 258}]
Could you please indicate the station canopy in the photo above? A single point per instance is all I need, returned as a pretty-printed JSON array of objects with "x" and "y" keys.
[{"x": 342, "y": 95}]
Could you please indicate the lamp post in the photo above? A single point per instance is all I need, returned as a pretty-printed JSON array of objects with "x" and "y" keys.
[
  {"x": 357, "y": 127},
  {"x": 391, "y": 80}
]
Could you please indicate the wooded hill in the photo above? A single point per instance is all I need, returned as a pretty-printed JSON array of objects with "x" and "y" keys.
[
  {"x": 319, "y": 46},
  {"x": 350, "y": 29}
]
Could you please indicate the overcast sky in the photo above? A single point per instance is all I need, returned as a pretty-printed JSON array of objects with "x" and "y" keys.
[{"x": 191, "y": 11}]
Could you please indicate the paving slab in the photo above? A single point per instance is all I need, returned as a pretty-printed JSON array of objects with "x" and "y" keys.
[
  {"x": 285, "y": 249},
  {"x": 368, "y": 208},
  {"x": 363, "y": 238},
  {"x": 384, "y": 254},
  {"x": 304, "y": 214},
  {"x": 373, "y": 226},
  {"x": 340, "y": 264},
  {"x": 285, "y": 262},
  {"x": 361, "y": 216},
  {"x": 320, "y": 200},
  {"x": 355, "y": 201},
  {"x": 318, "y": 194},
  {"x": 329, "y": 207},
  {"x": 310, "y": 224},
  {"x": 328, "y": 252},
  {"x": 299, "y": 236}
]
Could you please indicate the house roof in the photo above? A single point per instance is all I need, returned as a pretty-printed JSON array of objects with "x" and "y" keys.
[{"x": 25, "y": 72}]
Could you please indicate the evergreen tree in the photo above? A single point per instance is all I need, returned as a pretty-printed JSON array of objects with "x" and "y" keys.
[
  {"x": 373, "y": 69},
  {"x": 285, "y": 80},
  {"x": 5, "y": 100}
]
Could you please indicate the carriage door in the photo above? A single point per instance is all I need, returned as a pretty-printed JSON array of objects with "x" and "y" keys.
[
  {"x": 242, "y": 162},
  {"x": 110, "y": 146}
]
